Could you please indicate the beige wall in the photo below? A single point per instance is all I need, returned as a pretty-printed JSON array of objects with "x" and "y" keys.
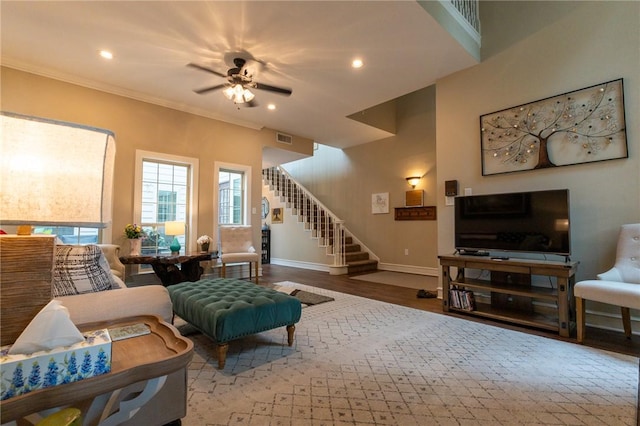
[
  {"x": 143, "y": 126},
  {"x": 594, "y": 43},
  {"x": 344, "y": 181}
]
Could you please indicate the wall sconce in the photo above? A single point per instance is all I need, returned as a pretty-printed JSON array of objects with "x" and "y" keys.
[{"x": 413, "y": 181}]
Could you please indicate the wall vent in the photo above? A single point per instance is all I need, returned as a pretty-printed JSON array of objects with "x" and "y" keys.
[{"x": 282, "y": 138}]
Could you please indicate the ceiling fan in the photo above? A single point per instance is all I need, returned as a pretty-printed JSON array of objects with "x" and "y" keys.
[{"x": 239, "y": 81}]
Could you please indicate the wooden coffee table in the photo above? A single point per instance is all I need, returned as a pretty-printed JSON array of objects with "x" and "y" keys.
[
  {"x": 166, "y": 266},
  {"x": 147, "y": 358}
]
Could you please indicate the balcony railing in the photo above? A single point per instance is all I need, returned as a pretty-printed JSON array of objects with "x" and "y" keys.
[{"x": 470, "y": 11}]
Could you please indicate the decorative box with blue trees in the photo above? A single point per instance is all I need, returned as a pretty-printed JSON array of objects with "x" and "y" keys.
[{"x": 24, "y": 373}]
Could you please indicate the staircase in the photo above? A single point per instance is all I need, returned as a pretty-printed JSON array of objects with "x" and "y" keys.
[{"x": 349, "y": 255}]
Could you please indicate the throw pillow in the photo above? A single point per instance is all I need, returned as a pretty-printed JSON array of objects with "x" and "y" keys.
[{"x": 80, "y": 269}]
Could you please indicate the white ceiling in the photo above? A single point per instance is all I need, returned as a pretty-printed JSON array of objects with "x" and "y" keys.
[{"x": 304, "y": 45}]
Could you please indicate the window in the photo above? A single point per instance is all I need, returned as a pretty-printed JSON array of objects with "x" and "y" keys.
[
  {"x": 70, "y": 234},
  {"x": 233, "y": 187},
  {"x": 231, "y": 196},
  {"x": 164, "y": 192}
]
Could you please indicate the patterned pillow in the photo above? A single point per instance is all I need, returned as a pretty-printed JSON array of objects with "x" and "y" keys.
[{"x": 80, "y": 269}]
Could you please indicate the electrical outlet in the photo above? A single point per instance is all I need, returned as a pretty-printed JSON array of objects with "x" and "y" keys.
[
  {"x": 406, "y": 252},
  {"x": 468, "y": 191}
]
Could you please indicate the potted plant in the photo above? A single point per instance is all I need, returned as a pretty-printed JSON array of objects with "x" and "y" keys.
[
  {"x": 134, "y": 234},
  {"x": 205, "y": 242}
]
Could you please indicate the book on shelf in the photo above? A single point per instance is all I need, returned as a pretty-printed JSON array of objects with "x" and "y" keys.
[{"x": 459, "y": 298}]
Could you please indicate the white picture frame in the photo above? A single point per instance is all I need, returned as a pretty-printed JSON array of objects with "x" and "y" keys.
[{"x": 380, "y": 203}]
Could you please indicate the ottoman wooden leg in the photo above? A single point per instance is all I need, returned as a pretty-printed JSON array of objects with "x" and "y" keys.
[
  {"x": 222, "y": 354},
  {"x": 290, "y": 330}
]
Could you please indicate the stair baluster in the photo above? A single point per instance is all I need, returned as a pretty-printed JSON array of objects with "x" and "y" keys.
[{"x": 322, "y": 224}]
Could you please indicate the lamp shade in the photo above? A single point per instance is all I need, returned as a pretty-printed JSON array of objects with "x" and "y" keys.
[
  {"x": 413, "y": 180},
  {"x": 55, "y": 173},
  {"x": 174, "y": 228}
]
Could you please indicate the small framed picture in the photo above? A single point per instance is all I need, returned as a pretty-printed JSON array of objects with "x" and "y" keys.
[
  {"x": 380, "y": 203},
  {"x": 414, "y": 198},
  {"x": 277, "y": 215}
]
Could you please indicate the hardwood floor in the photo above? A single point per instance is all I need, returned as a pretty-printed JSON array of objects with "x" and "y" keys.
[{"x": 597, "y": 338}]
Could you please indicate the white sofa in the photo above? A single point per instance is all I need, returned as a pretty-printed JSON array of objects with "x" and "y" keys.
[
  {"x": 170, "y": 404},
  {"x": 122, "y": 302}
]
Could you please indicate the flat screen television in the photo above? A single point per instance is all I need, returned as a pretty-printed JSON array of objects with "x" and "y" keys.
[{"x": 533, "y": 222}]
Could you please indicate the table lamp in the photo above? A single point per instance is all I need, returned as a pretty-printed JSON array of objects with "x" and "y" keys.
[
  {"x": 174, "y": 228},
  {"x": 54, "y": 173}
]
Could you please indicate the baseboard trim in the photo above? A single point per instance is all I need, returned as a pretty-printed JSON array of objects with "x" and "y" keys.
[
  {"x": 393, "y": 267},
  {"x": 409, "y": 269},
  {"x": 302, "y": 265},
  {"x": 610, "y": 321}
]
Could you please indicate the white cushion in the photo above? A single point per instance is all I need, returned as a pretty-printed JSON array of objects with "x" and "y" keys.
[
  {"x": 611, "y": 292},
  {"x": 81, "y": 269},
  {"x": 628, "y": 254},
  {"x": 114, "y": 304}
]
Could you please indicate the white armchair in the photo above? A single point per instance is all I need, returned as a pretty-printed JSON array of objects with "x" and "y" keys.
[
  {"x": 112, "y": 253},
  {"x": 618, "y": 286},
  {"x": 236, "y": 246}
]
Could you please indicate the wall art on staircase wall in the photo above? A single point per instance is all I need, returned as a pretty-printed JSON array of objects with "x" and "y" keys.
[
  {"x": 277, "y": 215},
  {"x": 577, "y": 127},
  {"x": 380, "y": 203}
]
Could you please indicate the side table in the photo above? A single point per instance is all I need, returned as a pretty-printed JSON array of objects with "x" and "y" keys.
[
  {"x": 104, "y": 399},
  {"x": 166, "y": 266}
]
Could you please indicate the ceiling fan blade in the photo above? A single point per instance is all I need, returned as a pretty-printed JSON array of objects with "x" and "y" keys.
[
  {"x": 209, "y": 89},
  {"x": 206, "y": 69},
  {"x": 281, "y": 90}
]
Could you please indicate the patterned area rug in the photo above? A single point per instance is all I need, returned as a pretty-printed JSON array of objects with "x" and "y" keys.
[
  {"x": 357, "y": 361},
  {"x": 307, "y": 298}
]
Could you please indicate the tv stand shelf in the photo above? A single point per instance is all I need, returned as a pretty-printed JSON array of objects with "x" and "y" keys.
[{"x": 510, "y": 291}]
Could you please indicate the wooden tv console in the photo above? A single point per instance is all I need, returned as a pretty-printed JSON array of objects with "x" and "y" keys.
[{"x": 508, "y": 294}]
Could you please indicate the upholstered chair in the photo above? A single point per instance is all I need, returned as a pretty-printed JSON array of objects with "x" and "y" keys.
[
  {"x": 618, "y": 286},
  {"x": 236, "y": 246},
  {"x": 112, "y": 253}
]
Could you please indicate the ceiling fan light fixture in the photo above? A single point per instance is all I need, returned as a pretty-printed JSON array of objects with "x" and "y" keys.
[
  {"x": 229, "y": 92},
  {"x": 248, "y": 95},
  {"x": 238, "y": 94}
]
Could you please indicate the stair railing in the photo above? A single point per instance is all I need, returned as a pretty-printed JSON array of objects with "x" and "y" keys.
[{"x": 324, "y": 225}]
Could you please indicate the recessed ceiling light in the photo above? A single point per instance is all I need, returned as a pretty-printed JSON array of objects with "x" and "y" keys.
[
  {"x": 271, "y": 107},
  {"x": 357, "y": 63},
  {"x": 106, "y": 54}
]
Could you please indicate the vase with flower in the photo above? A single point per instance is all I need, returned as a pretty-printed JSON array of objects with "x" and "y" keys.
[
  {"x": 134, "y": 234},
  {"x": 205, "y": 242}
]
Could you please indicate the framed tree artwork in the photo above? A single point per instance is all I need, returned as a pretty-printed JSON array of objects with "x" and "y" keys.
[
  {"x": 582, "y": 126},
  {"x": 277, "y": 215}
]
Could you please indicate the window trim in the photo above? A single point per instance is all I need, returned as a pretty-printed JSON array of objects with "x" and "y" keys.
[
  {"x": 193, "y": 164},
  {"x": 246, "y": 214}
]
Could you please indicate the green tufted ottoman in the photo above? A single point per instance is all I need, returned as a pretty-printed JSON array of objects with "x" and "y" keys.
[{"x": 226, "y": 309}]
